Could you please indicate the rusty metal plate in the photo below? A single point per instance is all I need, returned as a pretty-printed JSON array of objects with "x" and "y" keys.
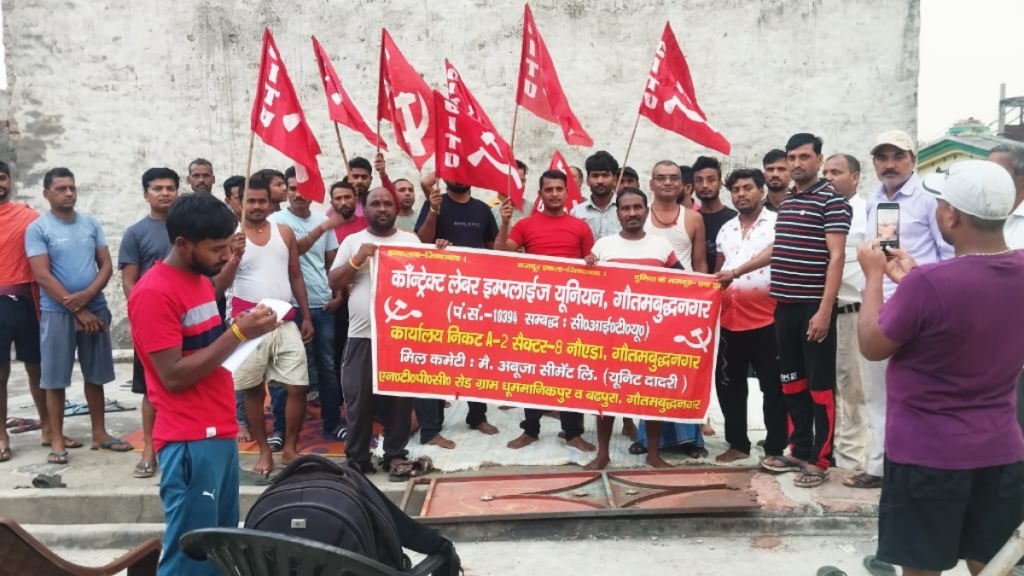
[{"x": 617, "y": 493}]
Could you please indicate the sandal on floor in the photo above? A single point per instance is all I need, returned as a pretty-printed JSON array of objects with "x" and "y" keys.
[
  {"x": 339, "y": 434},
  {"x": 405, "y": 469},
  {"x": 69, "y": 443},
  {"x": 26, "y": 425},
  {"x": 863, "y": 480},
  {"x": 250, "y": 478},
  {"x": 276, "y": 443},
  {"x": 788, "y": 465},
  {"x": 57, "y": 457},
  {"x": 637, "y": 449},
  {"x": 830, "y": 571},
  {"x": 817, "y": 479},
  {"x": 145, "y": 469},
  {"x": 114, "y": 445},
  {"x": 878, "y": 568},
  {"x": 48, "y": 481},
  {"x": 695, "y": 452}
]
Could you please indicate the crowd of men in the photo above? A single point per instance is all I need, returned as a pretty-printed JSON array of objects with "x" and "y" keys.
[{"x": 893, "y": 363}]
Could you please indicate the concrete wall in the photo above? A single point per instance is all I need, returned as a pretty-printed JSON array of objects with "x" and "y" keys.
[{"x": 109, "y": 88}]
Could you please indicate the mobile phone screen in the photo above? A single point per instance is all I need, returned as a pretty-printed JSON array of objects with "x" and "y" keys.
[{"x": 888, "y": 230}]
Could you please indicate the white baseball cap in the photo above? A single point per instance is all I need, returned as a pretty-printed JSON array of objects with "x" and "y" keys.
[
  {"x": 897, "y": 138},
  {"x": 977, "y": 187}
]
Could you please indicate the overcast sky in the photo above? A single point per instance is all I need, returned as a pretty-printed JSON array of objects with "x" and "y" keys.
[{"x": 967, "y": 50}]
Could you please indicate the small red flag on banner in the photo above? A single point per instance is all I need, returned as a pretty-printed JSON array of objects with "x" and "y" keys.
[
  {"x": 669, "y": 100},
  {"x": 340, "y": 107},
  {"x": 460, "y": 96},
  {"x": 540, "y": 91},
  {"x": 405, "y": 100},
  {"x": 470, "y": 153},
  {"x": 278, "y": 120}
]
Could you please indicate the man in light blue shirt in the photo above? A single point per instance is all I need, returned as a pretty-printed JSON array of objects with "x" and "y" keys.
[
  {"x": 599, "y": 210},
  {"x": 317, "y": 247},
  {"x": 71, "y": 262}
]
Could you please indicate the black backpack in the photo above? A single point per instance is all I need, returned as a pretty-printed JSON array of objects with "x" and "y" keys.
[{"x": 335, "y": 504}]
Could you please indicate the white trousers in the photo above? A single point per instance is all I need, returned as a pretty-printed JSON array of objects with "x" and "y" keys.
[
  {"x": 851, "y": 427},
  {"x": 874, "y": 396}
]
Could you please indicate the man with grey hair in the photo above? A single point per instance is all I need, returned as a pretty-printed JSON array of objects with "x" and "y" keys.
[
  {"x": 851, "y": 432},
  {"x": 894, "y": 156}
]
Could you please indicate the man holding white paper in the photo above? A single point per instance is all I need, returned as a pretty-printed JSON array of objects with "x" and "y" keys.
[{"x": 269, "y": 268}]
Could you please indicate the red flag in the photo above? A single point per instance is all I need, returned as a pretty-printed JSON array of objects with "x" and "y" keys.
[
  {"x": 471, "y": 153},
  {"x": 540, "y": 91},
  {"x": 405, "y": 100},
  {"x": 340, "y": 107},
  {"x": 278, "y": 120},
  {"x": 669, "y": 100},
  {"x": 573, "y": 197},
  {"x": 460, "y": 96}
]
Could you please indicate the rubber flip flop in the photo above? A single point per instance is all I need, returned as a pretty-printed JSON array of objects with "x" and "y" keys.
[
  {"x": 26, "y": 426},
  {"x": 48, "y": 481},
  {"x": 789, "y": 465},
  {"x": 637, "y": 448},
  {"x": 878, "y": 568},
  {"x": 276, "y": 443},
  {"x": 109, "y": 445},
  {"x": 145, "y": 470},
  {"x": 818, "y": 478},
  {"x": 75, "y": 410},
  {"x": 250, "y": 478},
  {"x": 830, "y": 571},
  {"x": 115, "y": 406},
  {"x": 57, "y": 458}
]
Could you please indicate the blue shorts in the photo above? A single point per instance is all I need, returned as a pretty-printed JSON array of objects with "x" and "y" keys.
[
  {"x": 59, "y": 339},
  {"x": 199, "y": 489}
]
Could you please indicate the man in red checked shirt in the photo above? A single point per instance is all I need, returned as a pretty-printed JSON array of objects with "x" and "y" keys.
[
  {"x": 182, "y": 343},
  {"x": 548, "y": 233}
]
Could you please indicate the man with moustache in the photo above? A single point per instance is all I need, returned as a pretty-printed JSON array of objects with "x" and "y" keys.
[
  {"x": 200, "y": 176},
  {"x": 352, "y": 268},
  {"x": 633, "y": 246},
  {"x": 317, "y": 248},
  {"x": 71, "y": 262},
  {"x": 894, "y": 157},
  {"x": 748, "y": 322},
  {"x": 776, "y": 178},
  {"x": 144, "y": 244},
  {"x": 19, "y": 325},
  {"x": 682, "y": 227},
  {"x": 686, "y": 196},
  {"x": 553, "y": 233},
  {"x": 707, "y": 179},
  {"x": 467, "y": 222},
  {"x": 843, "y": 171},
  {"x": 269, "y": 268},
  {"x": 233, "y": 195},
  {"x": 598, "y": 211},
  {"x": 344, "y": 200},
  {"x": 406, "y": 200},
  {"x": 181, "y": 344}
]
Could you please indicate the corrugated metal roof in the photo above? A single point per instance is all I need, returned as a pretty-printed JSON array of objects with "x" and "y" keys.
[{"x": 975, "y": 140}]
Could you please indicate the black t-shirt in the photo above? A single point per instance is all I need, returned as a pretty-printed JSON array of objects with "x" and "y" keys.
[
  {"x": 468, "y": 225},
  {"x": 712, "y": 224}
]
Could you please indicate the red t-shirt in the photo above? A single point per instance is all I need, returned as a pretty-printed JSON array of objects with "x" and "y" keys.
[
  {"x": 169, "y": 308},
  {"x": 564, "y": 236},
  {"x": 358, "y": 224}
]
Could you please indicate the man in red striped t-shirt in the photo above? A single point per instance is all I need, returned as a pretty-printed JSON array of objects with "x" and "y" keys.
[{"x": 806, "y": 272}]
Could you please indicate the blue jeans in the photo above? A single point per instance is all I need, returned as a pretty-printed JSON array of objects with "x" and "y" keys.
[
  {"x": 322, "y": 378},
  {"x": 199, "y": 489}
]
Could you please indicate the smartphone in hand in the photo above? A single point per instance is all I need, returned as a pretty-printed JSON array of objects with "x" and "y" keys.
[{"x": 888, "y": 225}]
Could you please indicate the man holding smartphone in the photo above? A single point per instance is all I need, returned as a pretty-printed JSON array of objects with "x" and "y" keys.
[{"x": 909, "y": 210}]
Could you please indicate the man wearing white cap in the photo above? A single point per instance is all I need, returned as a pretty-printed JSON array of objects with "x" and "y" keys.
[
  {"x": 953, "y": 486},
  {"x": 894, "y": 156}
]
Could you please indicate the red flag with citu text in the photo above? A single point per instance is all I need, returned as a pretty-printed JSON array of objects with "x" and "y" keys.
[
  {"x": 573, "y": 196},
  {"x": 405, "y": 100},
  {"x": 670, "y": 101},
  {"x": 278, "y": 120},
  {"x": 340, "y": 107},
  {"x": 540, "y": 91},
  {"x": 468, "y": 152},
  {"x": 496, "y": 146}
]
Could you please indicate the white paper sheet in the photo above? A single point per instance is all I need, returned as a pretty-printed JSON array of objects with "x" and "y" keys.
[{"x": 249, "y": 346}]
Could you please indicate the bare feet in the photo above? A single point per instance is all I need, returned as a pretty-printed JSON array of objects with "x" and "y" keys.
[
  {"x": 243, "y": 434},
  {"x": 265, "y": 464},
  {"x": 629, "y": 429},
  {"x": 580, "y": 444},
  {"x": 599, "y": 463},
  {"x": 442, "y": 442},
  {"x": 486, "y": 428},
  {"x": 288, "y": 455},
  {"x": 655, "y": 461},
  {"x": 523, "y": 441},
  {"x": 707, "y": 429},
  {"x": 731, "y": 455}
]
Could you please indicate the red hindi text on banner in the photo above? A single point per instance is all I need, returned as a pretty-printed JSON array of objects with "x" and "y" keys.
[{"x": 544, "y": 332}]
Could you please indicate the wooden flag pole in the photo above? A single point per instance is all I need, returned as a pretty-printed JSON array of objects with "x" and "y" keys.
[
  {"x": 378, "y": 139},
  {"x": 248, "y": 163},
  {"x": 629, "y": 147},
  {"x": 512, "y": 150},
  {"x": 344, "y": 157}
]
